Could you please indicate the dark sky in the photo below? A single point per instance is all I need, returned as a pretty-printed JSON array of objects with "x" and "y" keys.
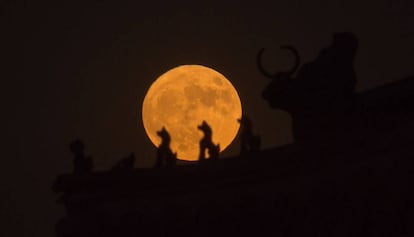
[{"x": 81, "y": 69}]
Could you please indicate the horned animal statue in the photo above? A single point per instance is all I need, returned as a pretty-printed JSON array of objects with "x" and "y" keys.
[{"x": 321, "y": 94}]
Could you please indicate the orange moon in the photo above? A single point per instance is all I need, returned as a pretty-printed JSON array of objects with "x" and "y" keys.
[{"x": 181, "y": 98}]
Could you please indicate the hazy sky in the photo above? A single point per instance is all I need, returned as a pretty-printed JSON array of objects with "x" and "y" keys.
[{"x": 81, "y": 70}]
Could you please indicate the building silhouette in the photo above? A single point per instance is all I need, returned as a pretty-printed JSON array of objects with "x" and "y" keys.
[{"x": 359, "y": 188}]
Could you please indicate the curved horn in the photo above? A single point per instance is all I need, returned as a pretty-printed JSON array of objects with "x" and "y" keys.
[
  {"x": 297, "y": 59},
  {"x": 261, "y": 68}
]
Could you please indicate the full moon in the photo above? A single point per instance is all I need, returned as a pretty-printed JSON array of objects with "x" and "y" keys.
[{"x": 181, "y": 98}]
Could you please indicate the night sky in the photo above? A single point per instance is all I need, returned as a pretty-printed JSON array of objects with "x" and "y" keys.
[{"x": 81, "y": 69}]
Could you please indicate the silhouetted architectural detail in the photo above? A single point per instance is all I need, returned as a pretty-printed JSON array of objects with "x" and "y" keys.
[
  {"x": 206, "y": 143},
  {"x": 322, "y": 94},
  {"x": 165, "y": 156},
  {"x": 126, "y": 163},
  {"x": 357, "y": 191},
  {"x": 81, "y": 164},
  {"x": 282, "y": 192},
  {"x": 280, "y": 75},
  {"x": 352, "y": 191},
  {"x": 249, "y": 143}
]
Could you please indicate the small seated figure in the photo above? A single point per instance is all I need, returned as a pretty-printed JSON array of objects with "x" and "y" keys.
[
  {"x": 126, "y": 163},
  {"x": 164, "y": 152},
  {"x": 81, "y": 164},
  {"x": 206, "y": 143},
  {"x": 248, "y": 141}
]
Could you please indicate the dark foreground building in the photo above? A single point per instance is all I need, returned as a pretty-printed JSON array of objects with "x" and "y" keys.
[{"x": 361, "y": 186}]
